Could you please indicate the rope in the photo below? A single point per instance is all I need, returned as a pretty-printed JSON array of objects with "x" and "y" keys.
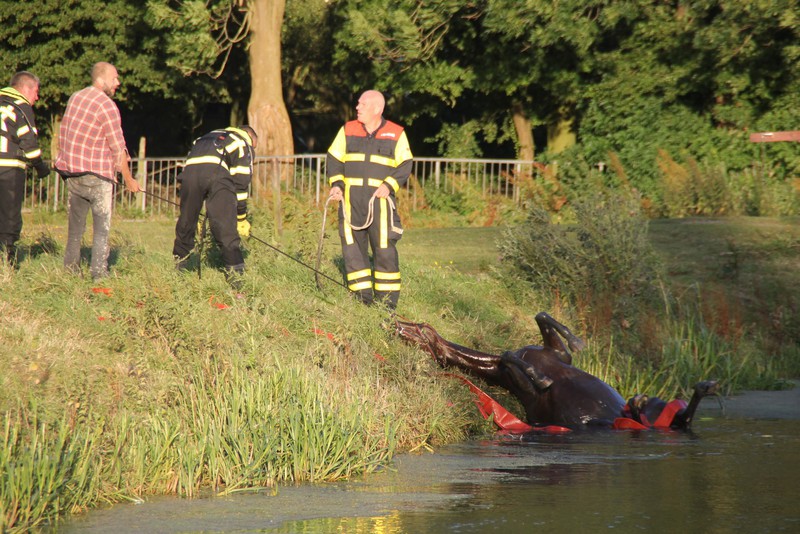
[
  {"x": 348, "y": 221},
  {"x": 371, "y": 214}
]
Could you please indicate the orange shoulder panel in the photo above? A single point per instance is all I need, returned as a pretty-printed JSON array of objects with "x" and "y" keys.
[{"x": 354, "y": 129}]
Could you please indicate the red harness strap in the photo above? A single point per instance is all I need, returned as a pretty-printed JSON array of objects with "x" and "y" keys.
[
  {"x": 504, "y": 419},
  {"x": 664, "y": 419}
]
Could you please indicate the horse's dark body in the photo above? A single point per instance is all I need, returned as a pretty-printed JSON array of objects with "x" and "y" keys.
[{"x": 550, "y": 388}]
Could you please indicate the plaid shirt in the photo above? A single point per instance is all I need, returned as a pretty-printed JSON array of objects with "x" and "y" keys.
[{"x": 90, "y": 139}]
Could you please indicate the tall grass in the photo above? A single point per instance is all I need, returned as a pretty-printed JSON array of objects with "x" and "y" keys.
[{"x": 156, "y": 382}]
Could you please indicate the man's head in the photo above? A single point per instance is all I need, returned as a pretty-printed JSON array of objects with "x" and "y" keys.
[
  {"x": 370, "y": 109},
  {"x": 105, "y": 77},
  {"x": 27, "y": 84},
  {"x": 252, "y": 133}
]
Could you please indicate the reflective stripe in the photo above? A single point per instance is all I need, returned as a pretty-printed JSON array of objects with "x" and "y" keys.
[
  {"x": 12, "y": 163},
  {"x": 384, "y": 229},
  {"x": 353, "y": 182},
  {"x": 236, "y": 144},
  {"x": 241, "y": 196},
  {"x": 339, "y": 146},
  {"x": 392, "y": 183},
  {"x": 240, "y": 170},
  {"x": 386, "y": 276},
  {"x": 374, "y": 182},
  {"x": 359, "y": 286},
  {"x": 381, "y": 160},
  {"x": 216, "y": 160},
  {"x": 23, "y": 130},
  {"x": 335, "y": 178},
  {"x": 348, "y": 211},
  {"x": 353, "y": 156},
  {"x": 358, "y": 274},
  {"x": 33, "y": 154},
  {"x": 387, "y": 287}
]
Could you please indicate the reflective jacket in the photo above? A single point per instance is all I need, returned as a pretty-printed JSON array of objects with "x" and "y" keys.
[
  {"x": 225, "y": 155},
  {"x": 19, "y": 143},
  {"x": 359, "y": 162}
]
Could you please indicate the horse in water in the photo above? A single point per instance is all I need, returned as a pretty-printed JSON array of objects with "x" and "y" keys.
[{"x": 550, "y": 388}]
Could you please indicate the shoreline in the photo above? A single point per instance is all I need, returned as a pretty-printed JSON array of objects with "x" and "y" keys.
[{"x": 784, "y": 404}]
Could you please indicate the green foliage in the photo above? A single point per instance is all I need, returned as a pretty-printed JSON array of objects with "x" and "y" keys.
[
  {"x": 159, "y": 382},
  {"x": 604, "y": 257}
]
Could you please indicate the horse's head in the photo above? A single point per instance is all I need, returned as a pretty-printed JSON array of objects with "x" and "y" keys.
[{"x": 424, "y": 336}]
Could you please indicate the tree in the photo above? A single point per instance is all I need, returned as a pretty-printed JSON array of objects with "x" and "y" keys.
[
  {"x": 204, "y": 34},
  {"x": 266, "y": 110}
]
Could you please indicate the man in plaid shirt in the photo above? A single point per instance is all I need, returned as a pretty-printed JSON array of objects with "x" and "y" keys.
[{"x": 91, "y": 151}]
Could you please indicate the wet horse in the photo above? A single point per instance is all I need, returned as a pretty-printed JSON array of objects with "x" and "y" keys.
[{"x": 550, "y": 388}]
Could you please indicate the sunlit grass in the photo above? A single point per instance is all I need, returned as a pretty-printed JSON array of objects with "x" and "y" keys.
[{"x": 156, "y": 382}]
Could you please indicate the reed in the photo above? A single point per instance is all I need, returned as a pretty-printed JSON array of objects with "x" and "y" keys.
[{"x": 162, "y": 383}]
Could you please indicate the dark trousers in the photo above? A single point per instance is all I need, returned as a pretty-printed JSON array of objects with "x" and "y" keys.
[
  {"x": 380, "y": 279},
  {"x": 12, "y": 193},
  {"x": 221, "y": 203}
]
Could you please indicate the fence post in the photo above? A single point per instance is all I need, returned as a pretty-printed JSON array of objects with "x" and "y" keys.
[
  {"x": 141, "y": 171},
  {"x": 276, "y": 196}
]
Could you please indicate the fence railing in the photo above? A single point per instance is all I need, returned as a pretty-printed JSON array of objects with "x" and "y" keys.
[{"x": 299, "y": 174}]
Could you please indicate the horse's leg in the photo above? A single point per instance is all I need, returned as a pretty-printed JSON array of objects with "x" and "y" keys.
[
  {"x": 520, "y": 368},
  {"x": 550, "y": 329},
  {"x": 684, "y": 418},
  {"x": 477, "y": 363}
]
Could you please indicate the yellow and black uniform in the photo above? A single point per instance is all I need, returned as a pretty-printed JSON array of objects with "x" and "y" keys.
[
  {"x": 218, "y": 171},
  {"x": 19, "y": 147},
  {"x": 358, "y": 162}
]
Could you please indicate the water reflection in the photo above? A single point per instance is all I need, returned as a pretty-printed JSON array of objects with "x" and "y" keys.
[{"x": 732, "y": 474}]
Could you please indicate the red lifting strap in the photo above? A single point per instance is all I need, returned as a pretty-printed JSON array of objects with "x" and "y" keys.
[
  {"x": 504, "y": 419},
  {"x": 664, "y": 419}
]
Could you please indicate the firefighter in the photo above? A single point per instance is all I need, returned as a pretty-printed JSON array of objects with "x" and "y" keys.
[
  {"x": 367, "y": 163},
  {"x": 218, "y": 171},
  {"x": 19, "y": 146}
]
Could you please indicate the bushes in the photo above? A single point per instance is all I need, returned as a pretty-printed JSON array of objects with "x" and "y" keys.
[{"x": 603, "y": 257}]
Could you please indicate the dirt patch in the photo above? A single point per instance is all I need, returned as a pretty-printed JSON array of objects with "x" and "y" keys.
[{"x": 756, "y": 405}]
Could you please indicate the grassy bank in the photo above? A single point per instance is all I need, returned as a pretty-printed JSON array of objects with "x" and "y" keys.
[{"x": 158, "y": 382}]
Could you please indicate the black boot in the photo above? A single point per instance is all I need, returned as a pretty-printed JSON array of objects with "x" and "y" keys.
[
  {"x": 181, "y": 264},
  {"x": 233, "y": 274}
]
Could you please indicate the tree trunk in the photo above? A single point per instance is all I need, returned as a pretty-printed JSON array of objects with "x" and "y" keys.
[
  {"x": 266, "y": 110},
  {"x": 522, "y": 124},
  {"x": 560, "y": 135}
]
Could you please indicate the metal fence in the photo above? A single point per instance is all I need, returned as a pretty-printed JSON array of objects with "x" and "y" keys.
[{"x": 302, "y": 175}]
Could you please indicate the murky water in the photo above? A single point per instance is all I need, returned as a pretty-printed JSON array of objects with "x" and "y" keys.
[{"x": 729, "y": 475}]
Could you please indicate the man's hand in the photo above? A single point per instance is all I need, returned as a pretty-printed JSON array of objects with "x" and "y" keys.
[
  {"x": 132, "y": 184},
  {"x": 383, "y": 191},
  {"x": 336, "y": 193}
]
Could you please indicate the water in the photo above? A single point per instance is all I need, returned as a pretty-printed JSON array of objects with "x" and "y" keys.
[{"x": 729, "y": 475}]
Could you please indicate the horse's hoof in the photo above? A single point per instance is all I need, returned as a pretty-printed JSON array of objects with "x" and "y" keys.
[{"x": 575, "y": 343}]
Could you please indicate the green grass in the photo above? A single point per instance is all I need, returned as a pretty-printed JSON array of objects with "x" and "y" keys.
[{"x": 157, "y": 382}]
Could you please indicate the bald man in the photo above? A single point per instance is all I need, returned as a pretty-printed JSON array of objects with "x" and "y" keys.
[
  {"x": 367, "y": 163},
  {"x": 91, "y": 152}
]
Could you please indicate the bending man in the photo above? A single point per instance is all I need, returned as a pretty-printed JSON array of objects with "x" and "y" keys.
[{"x": 218, "y": 171}]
